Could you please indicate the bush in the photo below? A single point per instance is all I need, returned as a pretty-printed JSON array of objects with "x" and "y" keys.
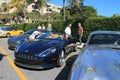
[
  {"x": 89, "y": 25},
  {"x": 101, "y": 24}
]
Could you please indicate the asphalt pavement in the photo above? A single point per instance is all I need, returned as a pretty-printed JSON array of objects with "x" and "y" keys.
[{"x": 9, "y": 71}]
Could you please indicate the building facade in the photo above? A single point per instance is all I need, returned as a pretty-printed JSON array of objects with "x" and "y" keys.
[
  {"x": 50, "y": 8},
  {"x": 4, "y": 1}
]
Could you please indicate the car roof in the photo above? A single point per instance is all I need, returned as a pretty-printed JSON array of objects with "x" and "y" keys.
[
  {"x": 105, "y": 32},
  {"x": 5, "y": 27}
]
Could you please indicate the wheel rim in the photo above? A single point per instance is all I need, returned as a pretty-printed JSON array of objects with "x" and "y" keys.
[
  {"x": 21, "y": 33},
  {"x": 8, "y": 35},
  {"x": 62, "y": 58},
  {"x": 76, "y": 46}
]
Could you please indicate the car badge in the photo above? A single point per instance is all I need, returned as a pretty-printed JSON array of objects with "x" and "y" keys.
[
  {"x": 94, "y": 54},
  {"x": 26, "y": 51}
]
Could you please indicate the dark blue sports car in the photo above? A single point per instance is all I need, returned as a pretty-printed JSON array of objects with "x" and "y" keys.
[
  {"x": 45, "y": 51},
  {"x": 14, "y": 41}
]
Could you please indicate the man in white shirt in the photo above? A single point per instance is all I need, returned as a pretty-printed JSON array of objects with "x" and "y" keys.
[
  {"x": 68, "y": 32},
  {"x": 35, "y": 33}
]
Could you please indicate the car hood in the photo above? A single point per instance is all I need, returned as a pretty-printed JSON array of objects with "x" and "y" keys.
[
  {"x": 97, "y": 63},
  {"x": 18, "y": 38},
  {"x": 35, "y": 47}
]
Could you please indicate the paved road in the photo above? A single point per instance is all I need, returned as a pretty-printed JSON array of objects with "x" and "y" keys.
[{"x": 8, "y": 71}]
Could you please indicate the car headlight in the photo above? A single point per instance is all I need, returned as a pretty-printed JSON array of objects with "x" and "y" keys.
[
  {"x": 18, "y": 42},
  {"x": 47, "y": 52},
  {"x": 17, "y": 48},
  {"x": 52, "y": 50}
]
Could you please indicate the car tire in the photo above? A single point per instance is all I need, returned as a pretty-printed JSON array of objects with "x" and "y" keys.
[
  {"x": 8, "y": 35},
  {"x": 20, "y": 33},
  {"x": 61, "y": 59},
  {"x": 75, "y": 48}
]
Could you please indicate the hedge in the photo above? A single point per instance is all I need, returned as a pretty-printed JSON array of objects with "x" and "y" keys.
[
  {"x": 100, "y": 24},
  {"x": 89, "y": 25}
]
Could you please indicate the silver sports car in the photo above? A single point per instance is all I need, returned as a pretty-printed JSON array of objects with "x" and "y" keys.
[{"x": 99, "y": 59}]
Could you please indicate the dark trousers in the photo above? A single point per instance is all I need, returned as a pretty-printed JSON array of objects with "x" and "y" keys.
[{"x": 80, "y": 39}]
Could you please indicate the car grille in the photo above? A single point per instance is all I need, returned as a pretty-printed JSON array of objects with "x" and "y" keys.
[{"x": 26, "y": 57}]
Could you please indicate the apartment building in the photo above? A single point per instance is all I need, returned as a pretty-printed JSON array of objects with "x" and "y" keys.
[
  {"x": 50, "y": 8},
  {"x": 53, "y": 8},
  {"x": 4, "y": 1}
]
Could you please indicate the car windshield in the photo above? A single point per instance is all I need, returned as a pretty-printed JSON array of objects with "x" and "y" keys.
[
  {"x": 29, "y": 32},
  {"x": 104, "y": 39},
  {"x": 42, "y": 35},
  {"x": 46, "y": 35}
]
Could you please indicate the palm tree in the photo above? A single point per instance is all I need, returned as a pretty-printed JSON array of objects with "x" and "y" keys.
[
  {"x": 18, "y": 4},
  {"x": 19, "y": 7},
  {"x": 79, "y": 4},
  {"x": 71, "y": 2},
  {"x": 75, "y": 2},
  {"x": 40, "y": 5}
]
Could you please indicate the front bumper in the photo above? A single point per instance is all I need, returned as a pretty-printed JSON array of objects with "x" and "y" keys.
[
  {"x": 43, "y": 63},
  {"x": 28, "y": 65}
]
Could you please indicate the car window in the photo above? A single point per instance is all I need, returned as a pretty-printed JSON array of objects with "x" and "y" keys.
[
  {"x": 104, "y": 38},
  {"x": 47, "y": 35},
  {"x": 9, "y": 29},
  {"x": 3, "y": 29},
  {"x": 6, "y": 29}
]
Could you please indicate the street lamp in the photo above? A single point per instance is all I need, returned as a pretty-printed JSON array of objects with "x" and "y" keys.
[
  {"x": 64, "y": 10},
  {"x": 81, "y": 8}
]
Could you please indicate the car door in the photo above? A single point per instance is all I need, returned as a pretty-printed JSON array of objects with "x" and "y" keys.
[
  {"x": 15, "y": 32},
  {"x": 11, "y": 31}
]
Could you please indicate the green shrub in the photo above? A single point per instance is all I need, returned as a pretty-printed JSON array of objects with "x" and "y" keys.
[
  {"x": 89, "y": 25},
  {"x": 101, "y": 24}
]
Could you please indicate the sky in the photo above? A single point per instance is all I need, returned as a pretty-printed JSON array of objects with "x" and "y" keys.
[{"x": 103, "y": 7}]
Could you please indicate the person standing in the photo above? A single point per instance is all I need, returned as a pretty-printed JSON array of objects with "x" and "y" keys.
[
  {"x": 43, "y": 27},
  {"x": 67, "y": 34},
  {"x": 49, "y": 29},
  {"x": 80, "y": 33},
  {"x": 39, "y": 26},
  {"x": 35, "y": 33}
]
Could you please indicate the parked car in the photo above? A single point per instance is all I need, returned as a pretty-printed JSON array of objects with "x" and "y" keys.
[
  {"x": 14, "y": 41},
  {"x": 8, "y": 31},
  {"x": 99, "y": 59},
  {"x": 46, "y": 51}
]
